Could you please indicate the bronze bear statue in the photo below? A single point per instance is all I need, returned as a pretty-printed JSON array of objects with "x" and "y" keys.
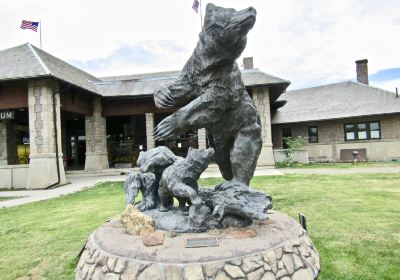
[{"x": 210, "y": 94}]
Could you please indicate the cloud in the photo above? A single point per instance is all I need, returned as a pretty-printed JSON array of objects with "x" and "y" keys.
[
  {"x": 309, "y": 42},
  {"x": 129, "y": 59}
]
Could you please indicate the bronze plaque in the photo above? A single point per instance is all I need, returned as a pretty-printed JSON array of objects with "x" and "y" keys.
[{"x": 201, "y": 242}]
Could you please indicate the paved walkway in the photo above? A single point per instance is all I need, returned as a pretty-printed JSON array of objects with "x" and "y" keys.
[
  {"x": 338, "y": 171},
  {"x": 80, "y": 180}
]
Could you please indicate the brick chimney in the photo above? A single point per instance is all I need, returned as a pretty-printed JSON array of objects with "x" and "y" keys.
[
  {"x": 248, "y": 63},
  {"x": 362, "y": 71}
]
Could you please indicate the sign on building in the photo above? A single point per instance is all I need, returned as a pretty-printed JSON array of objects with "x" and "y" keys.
[{"x": 7, "y": 115}]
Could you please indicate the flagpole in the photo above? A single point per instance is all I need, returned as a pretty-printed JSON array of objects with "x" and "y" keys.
[
  {"x": 40, "y": 26},
  {"x": 201, "y": 16}
]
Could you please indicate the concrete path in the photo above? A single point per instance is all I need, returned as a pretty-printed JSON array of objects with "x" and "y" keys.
[
  {"x": 80, "y": 180},
  {"x": 339, "y": 171},
  {"x": 76, "y": 184}
]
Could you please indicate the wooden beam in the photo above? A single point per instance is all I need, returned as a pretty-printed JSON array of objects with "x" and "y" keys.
[
  {"x": 77, "y": 102},
  {"x": 13, "y": 95},
  {"x": 125, "y": 107}
]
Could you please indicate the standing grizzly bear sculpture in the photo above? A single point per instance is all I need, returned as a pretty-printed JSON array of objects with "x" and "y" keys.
[{"x": 210, "y": 94}]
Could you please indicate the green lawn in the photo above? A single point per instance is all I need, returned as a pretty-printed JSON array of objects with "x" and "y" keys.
[{"x": 354, "y": 221}]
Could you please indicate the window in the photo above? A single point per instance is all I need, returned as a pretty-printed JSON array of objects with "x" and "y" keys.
[
  {"x": 362, "y": 131},
  {"x": 313, "y": 134},
  {"x": 350, "y": 132},
  {"x": 375, "y": 130}
]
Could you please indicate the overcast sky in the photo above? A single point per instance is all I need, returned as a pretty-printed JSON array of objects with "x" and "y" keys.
[{"x": 307, "y": 42}]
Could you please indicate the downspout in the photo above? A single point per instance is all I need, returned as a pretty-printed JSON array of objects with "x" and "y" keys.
[{"x": 56, "y": 137}]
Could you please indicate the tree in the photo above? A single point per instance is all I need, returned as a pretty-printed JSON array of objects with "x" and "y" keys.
[{"x": 293, "y": 144}]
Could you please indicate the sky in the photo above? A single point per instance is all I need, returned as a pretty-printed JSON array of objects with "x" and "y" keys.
[{"x": 309, "y": 42}]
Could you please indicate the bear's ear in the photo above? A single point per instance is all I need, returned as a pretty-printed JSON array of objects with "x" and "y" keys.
[{"x": 210, "y": 9}]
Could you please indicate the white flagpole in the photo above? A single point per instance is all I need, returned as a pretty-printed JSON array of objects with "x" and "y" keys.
[
  {"x": 201, "y": 16},
  {"x": 40, "y": 27}
]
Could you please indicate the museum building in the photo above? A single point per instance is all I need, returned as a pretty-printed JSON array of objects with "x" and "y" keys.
[{"x": 55, "y": 117}]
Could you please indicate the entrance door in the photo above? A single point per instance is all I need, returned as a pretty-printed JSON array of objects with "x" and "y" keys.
[{"x": 76, "y": 144}]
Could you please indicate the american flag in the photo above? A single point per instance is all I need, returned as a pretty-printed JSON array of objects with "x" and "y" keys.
[
  {"x": 33, "y": 25},
  {"x": 195, "y": 6}
]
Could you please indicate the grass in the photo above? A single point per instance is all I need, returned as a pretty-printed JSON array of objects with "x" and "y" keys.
[
  {"x": 342, "y": 165},
  {"x": 354, "y": 221}
]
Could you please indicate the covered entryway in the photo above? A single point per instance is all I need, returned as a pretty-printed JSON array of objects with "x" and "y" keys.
[
  {"x": 74, "y": 140},
  {"x": 126, "y": 137}
]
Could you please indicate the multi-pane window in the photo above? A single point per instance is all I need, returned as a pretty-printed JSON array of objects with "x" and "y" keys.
[
  {"x": 362, "y": 131},
  {"x": 313, "y": 134}
]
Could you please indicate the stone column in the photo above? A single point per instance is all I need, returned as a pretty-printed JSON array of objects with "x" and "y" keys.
[
  {"x": 149, "y": 131},
  {"x": 201, "y": 138},
  {"x": 3, "y": 143},
  {"x": 42, "y": 166},
  {"x": 96, "y": 139},
  {"x": 261, "y": 100}
]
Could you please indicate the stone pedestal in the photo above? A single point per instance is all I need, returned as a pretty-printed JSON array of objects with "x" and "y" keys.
[
  {"x": 275, "y": 249},
  {"x": 149, "y": 131},
  {"x": 42, "y": 165},
  {"x": 96, "y": 139}
]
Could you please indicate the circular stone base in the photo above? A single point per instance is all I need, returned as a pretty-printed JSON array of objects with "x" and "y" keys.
[{"x": 280, "y": 249}]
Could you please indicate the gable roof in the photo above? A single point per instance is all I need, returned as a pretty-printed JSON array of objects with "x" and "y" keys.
[
  {"x": 27, "y": 61},
  {"x": 145, "y": 84},
  {"x": 335, "y": 101}
]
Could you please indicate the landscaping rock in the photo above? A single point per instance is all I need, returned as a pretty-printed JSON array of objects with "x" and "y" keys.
[
  {"x": 135, "y": 222},
  {"x": 154, "y": 239},
  {"x": 240, "y": 233}
]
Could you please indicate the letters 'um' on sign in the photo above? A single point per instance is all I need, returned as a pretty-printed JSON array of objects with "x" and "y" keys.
[{"x": 7, "y": 115}]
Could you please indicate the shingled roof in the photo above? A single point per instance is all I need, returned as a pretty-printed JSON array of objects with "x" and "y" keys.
[
  {"x": 27, "y": 61},
  {"x": 145, "y": 84},
  {"x": 335, "y": 101}
]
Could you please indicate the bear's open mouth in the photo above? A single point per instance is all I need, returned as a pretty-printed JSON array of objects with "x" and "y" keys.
[{"x": 249, "y": 21}]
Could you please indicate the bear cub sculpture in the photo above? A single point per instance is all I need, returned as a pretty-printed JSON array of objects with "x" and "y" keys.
[
  {"x": 180, "y": 179},
  {"x": 152, "y": 164}
]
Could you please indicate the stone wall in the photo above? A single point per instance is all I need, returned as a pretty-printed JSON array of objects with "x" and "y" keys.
[
  {"x": 331, "y": 138},
  {"x": 296, "y": 260},
  {"x": 42, "y": 134},
  {"x": 149, "y": 131},
  {"x": 275, "y": 249},
  {"x": 14, "y": 176},
  {"x": 96, "y": 139},
  {"x": 3, "y": 143},
  {"x": 261, "y": 100}
]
